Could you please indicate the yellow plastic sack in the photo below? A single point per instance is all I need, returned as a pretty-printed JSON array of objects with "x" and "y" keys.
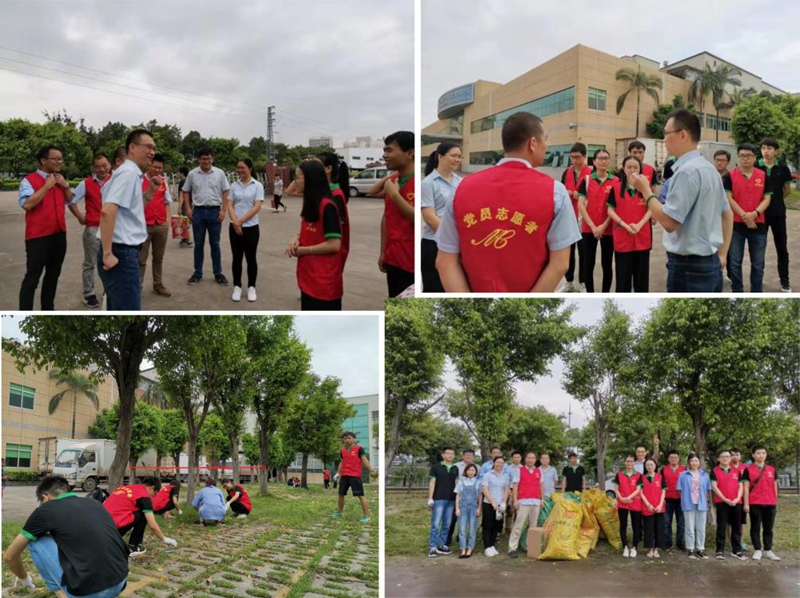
[
  {"x": 587, "y": 538},
  {"x": 562, "y": 543},
  {"x": 605, "y": 511},
  {"x": 589, "y": 522}
]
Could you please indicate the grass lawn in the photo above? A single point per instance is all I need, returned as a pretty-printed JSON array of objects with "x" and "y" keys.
[
  {"x": 288, "y": 547},
  {"x": 793, "y": 200}
]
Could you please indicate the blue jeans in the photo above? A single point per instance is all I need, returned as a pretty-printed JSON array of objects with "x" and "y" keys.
[
  {"x": 694, "y": 274},
  {"x": 757, "y": 244},
  {"x": 440, "y": 522},
  {"x": 468, "y": 519},
  {"x": 673, "y": 505},
  {"x": 44, "y": 553},
  {"x": 122, "y": 284},
  {"x": 206, "y": 219}
]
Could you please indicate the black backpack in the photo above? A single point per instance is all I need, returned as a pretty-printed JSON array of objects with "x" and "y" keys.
[{"x": 99, "y": 494}]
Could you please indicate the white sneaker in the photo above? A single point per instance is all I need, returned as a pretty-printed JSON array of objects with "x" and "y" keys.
[
  {"x": 771, "y": 555},
  {"x": 633, "y": 552},
  {"x": 582, "y": 288},
  {"x": 786, "y": 289},
  {"x": 251, "y": 293},
  {"x": 569, "y": 287},
  {"x": 242, "y": 516},
  {"x": 626, "y": 553},
  {"x": 237, "y": 294},
  {"x": 757, "y": 555},
  {"x": 488, "y": 552}
]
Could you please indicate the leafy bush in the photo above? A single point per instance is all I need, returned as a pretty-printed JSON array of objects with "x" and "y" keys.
[{"x": 21, "y": 475}]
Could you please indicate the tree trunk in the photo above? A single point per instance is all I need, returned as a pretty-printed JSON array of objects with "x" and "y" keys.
[
  {"x": 176, "y": 457},
  {"x": 716, "y": 125},
  {"x": 394, "y": 437},
  {"x": 263, "y": 449},
  {"x": 638, "y": 100},
  {"x": 304, "y": 472},
  {"x": 190, "y": 478},
  {"x": 699, "y": 438},
  {"x": 158, "y": 465},
  {"x": 601, "y": 442},
  {"x": 235, "y": 458},
  {"x": 74, "y": 406}
]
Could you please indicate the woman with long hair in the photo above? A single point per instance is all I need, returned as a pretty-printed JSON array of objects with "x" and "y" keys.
[
  {"x": 246, "y": 199},
  {"x": 596, "y": 227},
  {"x": 317, "y": 247},
  {"x": 339, "y": 179},
  {"x": 438, "y": 188},
  {"x": 628, "y": 488},
  {"x": 695, "y": 485}
]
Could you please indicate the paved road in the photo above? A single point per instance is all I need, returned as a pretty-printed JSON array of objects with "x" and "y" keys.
[
  {"x": 364, "y": 284},
  {"x": 20, "y": 501}
]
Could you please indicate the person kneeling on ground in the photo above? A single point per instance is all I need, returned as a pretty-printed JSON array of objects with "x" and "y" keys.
[
  {"x": 210, "y": 503},
  {"x": 238, "y": 500},
  {"x": 73, "y": 543},
  {"x": 131, "y": 508},
  {"x": 166, "y": 499}
]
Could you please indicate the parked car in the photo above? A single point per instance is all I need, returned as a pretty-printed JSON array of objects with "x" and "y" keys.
[{"x": 360, "y": 183}]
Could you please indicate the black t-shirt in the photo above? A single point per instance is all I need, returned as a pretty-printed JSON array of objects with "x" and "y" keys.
[
  {"x": 330, "y": 221},
  {"x": 574, "y": 478},
  {"x": 777, "y": 177},
  {"x": 91, "y": 551},
  {"x": 446, "y": 478}
]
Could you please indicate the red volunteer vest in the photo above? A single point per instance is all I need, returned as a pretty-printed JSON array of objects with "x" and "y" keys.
[
  {"x": 728, "y": 483},
  {"x": 47, "y": 218},
  {"x": 529, "y": 483},
  {"x": 162, "y": 497},
  {"x": 326, "y": 475},
  {"x": 626, "y": 486},
  {"x": 156, "y": 211},
  {"x": 243, "y": 497},
  {"x": 764, "y": 491},
  {"x": 597, "y": 195},
  {"x": 340, "y": 200},
  {"x": 652, "y": 491},
  {"x": 748, "y": 193},
  {"x": 649, "y": 172},
  {"x": 121, "y": 505},
  {"x": 672, "y": 480},
  {"x": 319, "y": 276},
  {"x": 399, "y": 250},
  {"x": 631, "y": 210},
  {"x": 351, "y": 462},
  {"x": 93, "y": 200},
  {"x": 502, "y": 216},
  {"x": 572, "y": 185}
]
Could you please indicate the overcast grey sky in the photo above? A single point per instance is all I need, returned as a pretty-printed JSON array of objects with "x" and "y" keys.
[
  {"x": 343, "y": 346},
  {"x": 334, "y": 67},
  {"x": 499, "y": 40}
]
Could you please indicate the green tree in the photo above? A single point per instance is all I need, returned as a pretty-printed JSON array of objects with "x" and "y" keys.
[
  {"x": 112, "y": 346},
  {"x": 78, "y": 384},
  {"x": 756, "y": 118},
  {"x": 18, "y": 146},
  {"x": 638, "y": 81},
  {"x": 257, "y": 149},
  {"x": 250, "y": 447},
  {"x": 235, "y": 395},
  {"x": 655, "y": 128},
  {"x": 172, "y": 436},
  {"x": 144, "y": 428},
  {"x": 723, "y": 76},
  {"x": 414, "y": 362},
  {"x": 535, "y": 429},
  {"x": 226, "y": 152},
  {"x": 215, "y": 442},
  {"x": 281, "y": 454},
  {"x": 428, "y": 434},
  {"x": 191, "y": 145}
]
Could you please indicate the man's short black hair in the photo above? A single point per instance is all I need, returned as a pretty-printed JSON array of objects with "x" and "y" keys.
[
  {"x": 184, "y": 170},
  {"x": 516, "y": 453},
  {"x": 52, "y": 486},
  {"x": 636, "y": 145},
  {"x": 448, "y": 448},
  {"x": 152, "y": 482},
  {"x": 686, "y": 120},
  {"x": 723, "y": 153},
  {"x": 579, "y": 148},
  {"x": 206, "y": 151},
  {"x": 769, "y": 142},
  {"x": 758, "y": 447},
  {"x": 673, "y": 452},
  {"x": 403, "y": 139},
  {"x": 227, "y": 481},
  {"x": 518, "y": 130},
  {"x": 719, "y": 454},
  {"x": 735, "y": 450},
  {"x": 44, "y": 152},
  {"x": 134, "y": 137},
  {"x": 98, "y": 156},
  {"x": 158, "y": 158},
  {"x": 465, "y": 451},
  {"x": 572, "y": 454},
  {"x": 121, "y": 153},
  {"x": 748, "y": 147},
  {"x": 348, "y": 433}
]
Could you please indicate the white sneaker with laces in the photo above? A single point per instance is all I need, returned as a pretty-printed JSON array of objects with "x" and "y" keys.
[
  {"x": 633, "y": 552},
  {"x": 771, "y": 555},
  {"x": 242, "y": 516},
  {"x": 569, "y": 287},
  {"x": 757, "y": 555},
  {"x": 626, "y": 553},
  {"x": 786, "y": 289},
  {"x": 251, "y": 293},
  {"x": 237, "y": 294},
  {"x": 488, "y": 552},
  {"x": 582, "y": 288}
]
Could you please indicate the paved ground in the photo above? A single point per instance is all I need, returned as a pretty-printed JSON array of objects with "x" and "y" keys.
[{"x": 364, "y": 284}]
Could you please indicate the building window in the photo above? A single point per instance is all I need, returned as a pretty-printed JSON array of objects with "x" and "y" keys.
[
  {"x": 18, "y": 455},
  {"x": 597, "y": 99},
  {"x": 711, "y": 122},
  {"x": 484, "y": 158},
  {"x": 374, "y": 416},
  {"x": 20, "y": 396},
  {"x": 561, "y": 101},
  {"x": 557, "y": 156}
]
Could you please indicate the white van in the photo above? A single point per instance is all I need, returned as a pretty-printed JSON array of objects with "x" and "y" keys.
[{"x": 360, "y": 183}]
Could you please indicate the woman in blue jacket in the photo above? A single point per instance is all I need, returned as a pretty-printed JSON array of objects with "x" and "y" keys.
[
  {"x": 210, "y": 503},
  {"x": 695, "y": 487}
]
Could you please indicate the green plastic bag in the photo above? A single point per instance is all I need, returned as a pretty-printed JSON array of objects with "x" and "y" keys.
[{"x": 547, "y": 506}]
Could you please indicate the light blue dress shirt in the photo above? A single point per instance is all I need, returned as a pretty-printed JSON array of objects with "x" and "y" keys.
[
  {"x": 437, "y": 192},
  {"x": 245, "y": 197},
  {"x": 206, "y": 188},
  {"x": 125, "y": 190},
  {"x": 211, "y": 503}
]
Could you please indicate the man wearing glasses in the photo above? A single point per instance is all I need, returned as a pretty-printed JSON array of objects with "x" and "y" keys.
[
  {"x": 696, "y": 217},
  {"x": 43, "y": 195},
  {"x": 123, "y": 228},
  {"x": 749, "y": 197}
]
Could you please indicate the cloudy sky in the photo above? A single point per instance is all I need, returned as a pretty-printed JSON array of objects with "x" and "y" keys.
[
  {"x": 334, "y": 67},
  {"x": 343, "y": 346},
  {"x": 499, "y": 40}
]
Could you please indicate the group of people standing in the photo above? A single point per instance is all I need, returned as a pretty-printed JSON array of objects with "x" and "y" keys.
[
  {"x": 511, "y": 228},
  {"x": 127, "y": 215}
]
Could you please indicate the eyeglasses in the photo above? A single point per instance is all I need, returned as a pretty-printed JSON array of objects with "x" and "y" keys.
[
  {"x": 602, "y": 159},
  {"x": 149, "y": 146},
  {"x": 674, "y": 131},
  {"x": 59, "y": 159}
]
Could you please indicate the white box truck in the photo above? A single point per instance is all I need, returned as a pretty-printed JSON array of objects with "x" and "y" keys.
[
  {"x": 86, "y": 463},
  {"x": 49, "y": 449}
]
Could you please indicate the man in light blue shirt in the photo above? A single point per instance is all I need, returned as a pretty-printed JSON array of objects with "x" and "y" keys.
[
  {"x": 696, "y": 216},
  {"x": 123, "y": 228},
  {"x": 549, "y": 475},
  {"x": 208, "y": 187},
  {"x": 210, "y": 503},
  {"x": 486, "y": 466}
]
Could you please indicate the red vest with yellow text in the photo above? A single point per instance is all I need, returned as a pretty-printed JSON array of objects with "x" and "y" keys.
[
  {"x": 47, "y": 218},
  {"x": 529, "y": 483},
  {"x": 597, "y": 196},
  {"x": 157, "y": 210},
  {"x": 748, "y": 193},
  {"x": 727, "y": 483},
  {"x": 351, "y": 462},
  {"x": 652, "y": 492},
  {"x": 93, "y": 200},
  {"x": 399, "y": 250},
  {"x": 319, "y": 276},
  {"x": 631, "y": 209},
  {"x": 572, "y": 184}
]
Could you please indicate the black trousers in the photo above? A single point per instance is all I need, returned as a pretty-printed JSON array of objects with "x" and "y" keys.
[
  {"x": 309, "y": 303},
  {"x": 138, "y": 525},
  {"x": 238, "y": 508},
  {"x": 606, "y": 260},
  {"x": 43, "y": 254},
  {"x": 728, "y": 515},
  {"x": 244, "y": 246},
  {"x": 778, "y": 226},
  {"x": 170, "y": 506},
  {"x": 762, "y": 515},
  {"x": 633, "y": 271},
  {"x": 636, "y": 524},
  {"x": 490, "y": 525},
  {"x": 397, "y": 279},
  {"x": 570, "y": 275},
  {"x": 654, "y": 531},
  {"x": 278, "y": 202},
  {"x": 430, "y": 275},
  {"x": 327, "y": 484}
]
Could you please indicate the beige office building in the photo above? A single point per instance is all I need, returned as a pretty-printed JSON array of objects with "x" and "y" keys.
[{"x": 576, "y": 94}]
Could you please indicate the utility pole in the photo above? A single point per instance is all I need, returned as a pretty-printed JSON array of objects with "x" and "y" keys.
[{"x": 271, "y": 134}]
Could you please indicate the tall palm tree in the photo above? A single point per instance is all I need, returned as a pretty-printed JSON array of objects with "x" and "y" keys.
[
  {"x": 78, "y": 384},
  {"x": 724, "y": 75},
  {"x": 638, "y": 81}
]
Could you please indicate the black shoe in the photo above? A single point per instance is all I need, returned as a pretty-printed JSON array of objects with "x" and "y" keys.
[
  {"x": 740, "y": 556},
  {"x": 91, "y": 301},
  {"x": 692, "y": 555},
  {"x": 512, "y": 554},
  {"x": 432, "y": 553},
  {"x": 194, "y": 279},
  {"x": 462, "y": 556},
  {"x": 701, "y": 554},
  {"x": 444, "y": 550},
  {"x": 136, "y": 550},
  {"x": 221, "y": 280},
  {"x": 720, "y": 556}
]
